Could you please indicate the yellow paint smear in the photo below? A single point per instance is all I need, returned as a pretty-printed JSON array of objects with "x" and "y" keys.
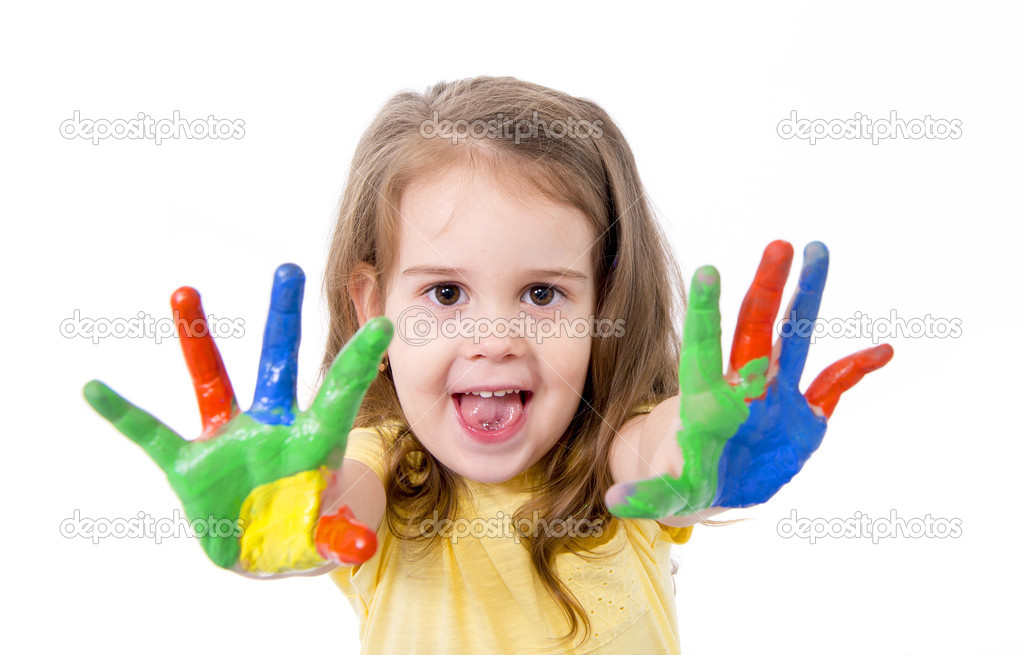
[{"x": 279, "y": 523}]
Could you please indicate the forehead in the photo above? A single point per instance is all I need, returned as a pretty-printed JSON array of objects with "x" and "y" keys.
[{"x": 470, "y": 215}]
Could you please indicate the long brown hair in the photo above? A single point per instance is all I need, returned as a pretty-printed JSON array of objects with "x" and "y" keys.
[{"x": 637, "y": 279}]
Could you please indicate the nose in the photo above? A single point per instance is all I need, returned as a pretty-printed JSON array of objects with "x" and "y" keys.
[
  {"x": 497, "y": 339},
  {"x": 497, "y": 348}
]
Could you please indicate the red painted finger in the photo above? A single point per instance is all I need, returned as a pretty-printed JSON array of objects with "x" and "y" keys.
[
  {"x": 755, "y": 329},
  {"x": 844, "y": 374},
  {"x": 212, "y": 386},
  {"x": 342, "y": 539}
]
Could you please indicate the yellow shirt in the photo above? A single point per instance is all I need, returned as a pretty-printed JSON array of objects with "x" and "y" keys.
[{"x": 478, "y": 592}]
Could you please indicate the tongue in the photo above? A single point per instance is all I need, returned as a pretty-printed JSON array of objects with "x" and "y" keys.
[{"x": 491, "y": 413}]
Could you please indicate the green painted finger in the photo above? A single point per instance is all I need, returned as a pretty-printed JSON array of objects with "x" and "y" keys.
[
  {"x": 700, "y": 365},
  {"x": 653, "y": 498},
  {"x": 160, "y": 442},
  {"x": 350, "y": 375}
]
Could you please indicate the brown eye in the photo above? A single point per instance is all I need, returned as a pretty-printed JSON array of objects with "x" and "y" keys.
[
  {"x": 447, "y": 294},
  {"x": 542, "y": 295}
]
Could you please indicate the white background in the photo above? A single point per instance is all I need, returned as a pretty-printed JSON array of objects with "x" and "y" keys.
[{"x": 919, "y": 227}]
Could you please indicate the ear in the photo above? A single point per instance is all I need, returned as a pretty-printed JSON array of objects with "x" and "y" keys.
[{"x": 363, "y": 289}]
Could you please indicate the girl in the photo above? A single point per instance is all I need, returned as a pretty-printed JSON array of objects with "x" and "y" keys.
[{"x": 500, "y": 228}]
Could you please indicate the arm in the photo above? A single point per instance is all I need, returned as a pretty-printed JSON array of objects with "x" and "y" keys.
[
  {"x": 639, "y": 449},
  {"x": 358, "y": 487}
]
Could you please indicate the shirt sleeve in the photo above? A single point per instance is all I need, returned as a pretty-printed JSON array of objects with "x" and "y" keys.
[{"x": 677, "y": 536}]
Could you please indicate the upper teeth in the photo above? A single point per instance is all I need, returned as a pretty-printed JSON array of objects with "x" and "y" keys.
[{"x": 488, "y": 394}]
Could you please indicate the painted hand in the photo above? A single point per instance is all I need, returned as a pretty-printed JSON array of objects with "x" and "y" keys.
[
  {"x": 270, "y": 455},
  {"x": 746, "y": 434}
]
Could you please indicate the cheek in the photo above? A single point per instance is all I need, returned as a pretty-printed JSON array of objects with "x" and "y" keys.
[
  {"x": 570, "y": 359},
  {"x": 419, "y": 372}
]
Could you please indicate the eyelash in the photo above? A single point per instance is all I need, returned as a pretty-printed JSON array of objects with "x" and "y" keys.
[{"x": 430, "y": 294}]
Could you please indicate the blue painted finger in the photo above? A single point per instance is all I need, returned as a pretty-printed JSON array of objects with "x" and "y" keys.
[
  {"x": 276, "y": 385},
  {"x": 795, "y": 341}
]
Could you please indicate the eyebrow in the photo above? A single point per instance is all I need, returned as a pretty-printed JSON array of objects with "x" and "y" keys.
[{"x": 420, "y": 271}]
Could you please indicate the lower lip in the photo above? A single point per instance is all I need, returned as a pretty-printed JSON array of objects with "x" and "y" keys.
[{"x": 490, "y": 437}]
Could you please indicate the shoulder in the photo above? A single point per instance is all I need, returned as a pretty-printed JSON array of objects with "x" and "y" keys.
[
  {"x": 651, "y": 531},
  {"x": 675, "y": 535}
]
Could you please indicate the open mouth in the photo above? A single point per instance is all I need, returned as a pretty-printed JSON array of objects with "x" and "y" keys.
[{"x": 491, "y": 416}]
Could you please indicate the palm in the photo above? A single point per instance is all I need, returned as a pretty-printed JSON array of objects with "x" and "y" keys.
[
  {"x": 767, "y": 451},
  {"x": 238, "y": 452},
  {"x": 740, "y": 443},
  {"x": 213, "y": 477}
]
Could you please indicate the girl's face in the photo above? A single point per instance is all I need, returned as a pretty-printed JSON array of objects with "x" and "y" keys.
[{"x": 484, "y": 297}]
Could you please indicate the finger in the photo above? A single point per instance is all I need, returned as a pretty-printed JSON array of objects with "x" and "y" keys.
[
  {"x": 213, "y": 390},
  {"x": 617, "y": 496},
  {"x": 844, "y": 374},
  {"x": 802, "y": 313},
  {"x": 342, "y": 539},
  {"x": 160, "y": 442},
  {"x": 353, "y": 370},
  {"x": 753, "y": 332},
  {"x": 652, "y": 498},
  {"x": 628, "y": 501},
  {"x": 700, "y": 363},
  {"x": 277, "y": 381}
]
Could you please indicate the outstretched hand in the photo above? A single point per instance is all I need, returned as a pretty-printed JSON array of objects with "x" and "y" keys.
[
  {"x": 239, "y": 452},
  {"x": 745, "y": 434}
]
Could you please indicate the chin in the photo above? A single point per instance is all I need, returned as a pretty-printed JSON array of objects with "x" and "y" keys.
[{"x": 492, "y": 472}]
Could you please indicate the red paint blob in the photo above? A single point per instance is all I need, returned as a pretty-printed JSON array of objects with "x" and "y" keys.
[{"x": 340, "y": 538}]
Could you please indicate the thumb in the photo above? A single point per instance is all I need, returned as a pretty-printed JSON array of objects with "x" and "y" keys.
[{"x": 618, "y": 494}]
